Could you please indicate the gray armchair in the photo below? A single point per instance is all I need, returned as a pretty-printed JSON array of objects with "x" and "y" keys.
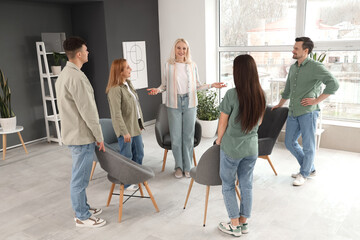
[
  {"x": 109, "y": 138},
  {"x": 269, "y": 131},
  {"x": 162, "y": 133},
  {"x": 124, "y": 171},
  {"x": 207, "y": 173}
]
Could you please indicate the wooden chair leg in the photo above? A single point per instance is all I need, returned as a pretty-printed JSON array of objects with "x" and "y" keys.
[
  {"x": 194, "y": 157},
  {"x": 22, "y": 142},
  {"x": 4, "y": 146},
  {"x": 237, "y": 193},
  {"x": 121, "y": 201},
  {"x": 141, "y": 191},
  {"x": 92, "y": 170},
  {"x": 164, "y": 160},
  {"x": 206, "y": 202},
  {"x": 151, "y": 196},
  {"x": 188, "y": 194},
  {"x": 268, "y": 159},
  {"x": 110, "y": 194}
]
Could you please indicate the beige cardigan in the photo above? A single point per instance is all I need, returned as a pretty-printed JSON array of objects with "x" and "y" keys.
[
  {"x": 77, "y": 108},
  {"x": 123, "y": 110}
]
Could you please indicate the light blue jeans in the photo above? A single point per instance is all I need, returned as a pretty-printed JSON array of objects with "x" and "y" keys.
[
  {"x": 243, "y": 168},
  {"x": 133, "y": 150},
  {"x": 182, "y": 129},
  {"x": 304, "y": 125},
  {"x": 83, "y": 157}
]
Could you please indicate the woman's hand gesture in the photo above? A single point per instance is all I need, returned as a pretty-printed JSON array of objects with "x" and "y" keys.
[
  {"x": 153, "y": 91},
  {"x": 218, "y": 85}
]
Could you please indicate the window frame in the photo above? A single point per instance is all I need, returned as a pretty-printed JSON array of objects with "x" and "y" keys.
[{"x": 320, "y": 46}]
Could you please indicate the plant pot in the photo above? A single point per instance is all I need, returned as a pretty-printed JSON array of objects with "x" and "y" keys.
[
  {"x": 208, "y": 128},
  {"x": 8, "y": 124},
  {"x": 55, "y": 70}
]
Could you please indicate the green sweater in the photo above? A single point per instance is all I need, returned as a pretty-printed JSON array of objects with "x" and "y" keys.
[
  {"x": 305, "y": 81},
  {"x": 123, "y": 110}
]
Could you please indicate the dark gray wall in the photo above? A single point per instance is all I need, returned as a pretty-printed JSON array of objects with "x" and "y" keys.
[
  {"x": 21, "y": 24},
  {"x": 104, "y": 25},
  {"x": 136, "y": 20},
  {"x": 89, "y": 23}
]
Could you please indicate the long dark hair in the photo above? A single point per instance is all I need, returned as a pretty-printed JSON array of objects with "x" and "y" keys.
[{"x": 250, "y": 94}]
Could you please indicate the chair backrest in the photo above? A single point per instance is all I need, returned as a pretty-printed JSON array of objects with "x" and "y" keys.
[
  {"x": 208, "y": 168},
  {"x": 108, "y": 131},
  {"x": 121, "y": 169},
  {"x": 161, "y": 125},
  {"x": 273, "y": 122}
]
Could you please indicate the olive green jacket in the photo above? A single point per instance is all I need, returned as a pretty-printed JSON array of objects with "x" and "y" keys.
[{"x": 123, "y": 110}]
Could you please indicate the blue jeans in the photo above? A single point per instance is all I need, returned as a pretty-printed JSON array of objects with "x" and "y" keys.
[
  {"x": 182, "y": 129},
  {"x": 133, "y": 150},
  {"x": 304, "y": 125},
  {"x": 83, "y": 157},
  {"x": 244, "y": 168}
]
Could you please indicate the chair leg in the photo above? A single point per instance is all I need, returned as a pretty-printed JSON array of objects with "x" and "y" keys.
[
  {"x": 92, "y": 170},
  {"x": 237, "y": 192},
  {"x": 266, "y": 157},
  {"x": 110, "y": 194},
  {"x": 141, "y": 191},
  {"x": 121, "y": 201},
  {"x": 151, "y": 196},
  {"x": 188, "y": 194},
  {"x": 206, "y": 202},
  {"x": 164, "y": 160},
  {"x": 194, "y": 157}
]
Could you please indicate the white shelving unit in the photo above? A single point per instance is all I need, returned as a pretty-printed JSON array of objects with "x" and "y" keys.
[{"x": 47, "y": 81}]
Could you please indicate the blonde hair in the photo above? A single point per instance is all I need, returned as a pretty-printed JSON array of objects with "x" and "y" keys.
[
  {"x": 187, "y": 57},
  {"x": 115, "y": 79}
]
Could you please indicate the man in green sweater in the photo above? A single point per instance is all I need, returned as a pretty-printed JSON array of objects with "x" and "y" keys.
[
  {"x": 303, "y": 88},
  {"x": 80, "y": 128}
]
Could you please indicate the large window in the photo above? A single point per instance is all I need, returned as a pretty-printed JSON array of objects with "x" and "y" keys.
[{"x": 266, "y": 29}]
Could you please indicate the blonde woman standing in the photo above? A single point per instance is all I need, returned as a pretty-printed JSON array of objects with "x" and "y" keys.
[
  {"x": 125, "y": 110},
  {"x": 181, "y": 81}
]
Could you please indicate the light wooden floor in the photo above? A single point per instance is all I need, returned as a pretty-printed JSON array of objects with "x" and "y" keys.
[{"x": 35, "y": 202}]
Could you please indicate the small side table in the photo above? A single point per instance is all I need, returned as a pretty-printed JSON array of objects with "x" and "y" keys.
[{"x": 17, "y": 130}]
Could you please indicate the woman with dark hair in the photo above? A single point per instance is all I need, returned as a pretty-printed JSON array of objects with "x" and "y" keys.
[{"x": 242, "y": 110}]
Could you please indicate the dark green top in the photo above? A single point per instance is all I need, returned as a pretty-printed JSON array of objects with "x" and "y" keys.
[
  {"x": 305, "y": 81},
  {"x": 236, "y": 143}
]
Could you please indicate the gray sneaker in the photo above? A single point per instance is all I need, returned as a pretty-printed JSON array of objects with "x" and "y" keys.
[
  {"x": 312, "y": 174},
  {"x": 230, "y": 229}
]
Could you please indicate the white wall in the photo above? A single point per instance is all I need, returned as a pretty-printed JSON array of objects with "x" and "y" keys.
[{"x": 190, "y": 19}]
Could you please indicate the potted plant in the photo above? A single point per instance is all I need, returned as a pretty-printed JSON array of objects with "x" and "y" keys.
[
  {"x": 58, "y": 58},
  {"x": 208, "y": 112},
  {"x": 8, "y": 118}
]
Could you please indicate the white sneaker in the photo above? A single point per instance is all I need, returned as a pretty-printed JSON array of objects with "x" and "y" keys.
[
  {"x": 312, "y": 174},
  {"x": 132, "y": 187},
  {"x": 91, "y": 222},
  {"x": 178, "y": 173},
  {"x": 187, "y": 174},
  {"x": 300, "y": 180},
  {"x": 95, "y": 211}
]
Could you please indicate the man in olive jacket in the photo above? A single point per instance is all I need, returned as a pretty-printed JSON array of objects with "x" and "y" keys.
[{"x": 80, "y": 128}]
